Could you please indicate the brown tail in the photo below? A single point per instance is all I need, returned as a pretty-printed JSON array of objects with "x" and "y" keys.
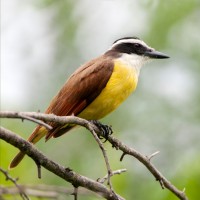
[
  {"x": 37, "y": 134},
  {"x": 17, "y": 159}
]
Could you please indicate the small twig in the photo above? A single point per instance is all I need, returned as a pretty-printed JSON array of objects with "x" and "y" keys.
[
  {"x": 161, "y": 183},
  {"x": 75, "y": 193},
  {"x": 47, "y": 126},
  {"x": 14, "y": 181},
  {"x": 152, "y": 155},
  {"x": 104, "y": 155},
  {"x": 122, "y": 156},
  {"x": 119, "y": 171},
  {"x": 39, "y": 170}
]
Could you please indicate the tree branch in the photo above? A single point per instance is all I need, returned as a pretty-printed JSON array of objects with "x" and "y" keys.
[
  {"x": 14, "y": 181},
  {"x": 43, "y": 191},
  {"x": 146, "y": 161},
  {"x": 91, "y": 127},
  {"x": 64, "y": 173}
]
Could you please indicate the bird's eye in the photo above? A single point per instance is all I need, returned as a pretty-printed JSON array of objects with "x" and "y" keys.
[{"x": 137, "y": 45}]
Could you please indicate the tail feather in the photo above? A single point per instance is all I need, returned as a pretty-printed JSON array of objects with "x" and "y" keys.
[
  {"x": 17, "y": 159},
  {"x": 37, "y": 134},
  {"x": 59, "y": 131}
]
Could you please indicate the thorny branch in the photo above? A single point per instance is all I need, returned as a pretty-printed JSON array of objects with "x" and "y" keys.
[
  {"x": 65, "y": 173},
  {"x": 35, "y": 154}
]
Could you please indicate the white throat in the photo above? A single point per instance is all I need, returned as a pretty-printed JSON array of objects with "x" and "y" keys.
[{"x": 134, "y": 61}]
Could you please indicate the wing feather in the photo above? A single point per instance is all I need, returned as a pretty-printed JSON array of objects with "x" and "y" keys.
[{"x": 80, "y": 90}]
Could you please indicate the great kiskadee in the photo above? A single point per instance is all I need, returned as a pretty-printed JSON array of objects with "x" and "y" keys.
[{"x": 97, "y": 87}]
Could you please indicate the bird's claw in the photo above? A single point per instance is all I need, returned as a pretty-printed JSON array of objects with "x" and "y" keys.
[{"x": 105, "y": 130}]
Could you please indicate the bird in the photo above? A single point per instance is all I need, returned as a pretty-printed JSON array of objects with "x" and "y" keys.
[{"x": 97, "y": 87}]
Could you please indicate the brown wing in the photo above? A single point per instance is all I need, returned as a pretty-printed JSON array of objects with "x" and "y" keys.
[{"x": 79, "y": 91}]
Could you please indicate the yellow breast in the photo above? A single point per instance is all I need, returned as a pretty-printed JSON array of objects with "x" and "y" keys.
[{"x": 121, "y": 84}]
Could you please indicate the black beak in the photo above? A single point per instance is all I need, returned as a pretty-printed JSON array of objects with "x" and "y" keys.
[{"x": 155, "y": 54}]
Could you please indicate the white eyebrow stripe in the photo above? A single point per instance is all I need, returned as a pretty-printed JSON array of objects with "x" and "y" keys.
[{"x": 130, "y": 41}]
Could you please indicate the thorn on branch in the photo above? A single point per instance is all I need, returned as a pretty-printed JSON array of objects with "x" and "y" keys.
[
  {"x": 122, "y": 156},
  {"x": 68, "y": 169},
  {"x": 39, "y": 170},
  {"x": 115, "y": 145},
  {"x": 40, "y": 122},
  {"x": 152, "y": 155},
  {"x": 75, "y": 193},
  {"x": 161, "y": 183}
]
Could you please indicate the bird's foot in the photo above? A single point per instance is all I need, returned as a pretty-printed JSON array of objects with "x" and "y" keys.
[{"x": 105, "y": 130}]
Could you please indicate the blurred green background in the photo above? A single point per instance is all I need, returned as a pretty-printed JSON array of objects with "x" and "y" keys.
[{"x": 44, "y": 41}]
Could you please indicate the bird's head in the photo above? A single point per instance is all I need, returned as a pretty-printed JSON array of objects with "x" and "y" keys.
[
  {"x": 134, "y": 50},
  {"x": 133, "y": 45}
]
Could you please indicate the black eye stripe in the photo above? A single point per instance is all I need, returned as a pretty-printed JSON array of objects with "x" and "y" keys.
[{"x": 131, "y": 48}]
